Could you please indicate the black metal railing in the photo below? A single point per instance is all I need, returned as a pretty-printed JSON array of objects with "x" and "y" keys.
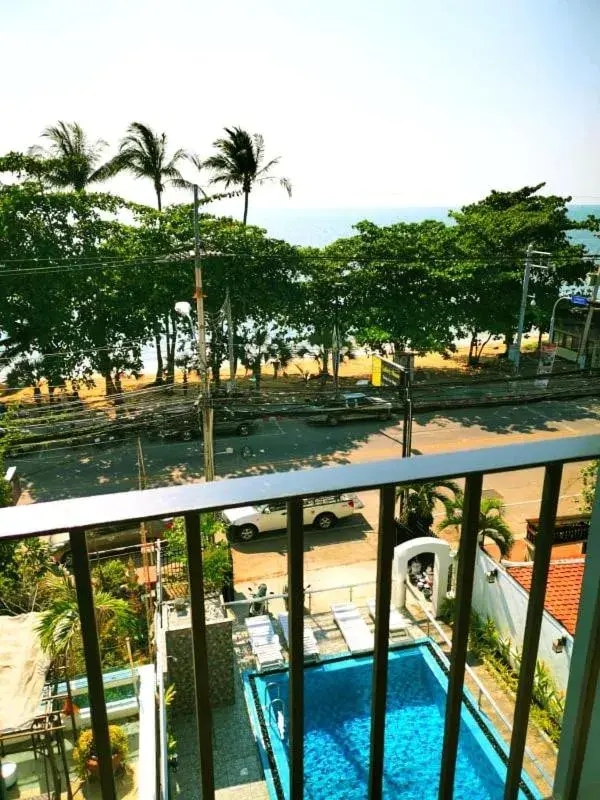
[{"x": 192, "y": 500}]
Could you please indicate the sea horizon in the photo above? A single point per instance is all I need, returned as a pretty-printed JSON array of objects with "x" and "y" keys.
[{"x": 318, "y": 227}]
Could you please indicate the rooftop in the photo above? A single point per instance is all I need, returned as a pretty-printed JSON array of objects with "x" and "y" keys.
[{"x": 562, "y": 591}]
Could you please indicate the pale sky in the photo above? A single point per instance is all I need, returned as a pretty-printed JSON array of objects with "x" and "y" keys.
[{"x": 374, "y": 103}]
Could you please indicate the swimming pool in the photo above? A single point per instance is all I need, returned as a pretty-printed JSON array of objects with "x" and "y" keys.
[{"x": 338, "y": 726}]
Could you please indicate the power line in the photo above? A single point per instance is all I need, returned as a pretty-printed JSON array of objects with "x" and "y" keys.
[{"x": 298, "y": 259}]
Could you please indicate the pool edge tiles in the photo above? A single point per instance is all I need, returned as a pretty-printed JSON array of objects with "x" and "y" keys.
[{"x": 273, "y": 751}]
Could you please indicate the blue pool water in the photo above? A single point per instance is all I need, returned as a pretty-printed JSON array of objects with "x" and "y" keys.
[{"x": 338, "y": 724}]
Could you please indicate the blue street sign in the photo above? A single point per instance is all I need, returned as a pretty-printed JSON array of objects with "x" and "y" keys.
[{"x": 579, "y": 300}]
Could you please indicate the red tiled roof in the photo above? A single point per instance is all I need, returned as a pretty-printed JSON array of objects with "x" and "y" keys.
[{"x": 562, "y": 592}]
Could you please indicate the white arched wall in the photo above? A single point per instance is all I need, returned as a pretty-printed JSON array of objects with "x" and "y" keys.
[{"x": 414, "y": 547}]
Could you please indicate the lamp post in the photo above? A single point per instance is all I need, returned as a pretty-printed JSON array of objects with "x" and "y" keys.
[{"x": 551, "y": 329}]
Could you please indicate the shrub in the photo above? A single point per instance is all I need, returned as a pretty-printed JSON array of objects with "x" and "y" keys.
[
  {"x": 589, "y": 476},
  {"x": 85, "y": 749},
  {"x": 215, "y": 554},
  {"x": 111, "y": 576}
]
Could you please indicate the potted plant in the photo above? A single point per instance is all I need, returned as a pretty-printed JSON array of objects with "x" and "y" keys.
[{"x": 84, "y": 755}]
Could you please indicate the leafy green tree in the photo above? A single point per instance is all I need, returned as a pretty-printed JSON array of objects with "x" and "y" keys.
[
  {"x": 492, "y": 522},
  {"x": 72, "y": 160},
  {"x": 240, "y": 162},
  {"x": 398, "y": 275},
  {"x": 263, "y": 276},
  {"x": 492, "y": 237},
  {"x": 23, "y": 565},
  {"x": 143, "y": 152},
  {"x": 589, "y": 477}
]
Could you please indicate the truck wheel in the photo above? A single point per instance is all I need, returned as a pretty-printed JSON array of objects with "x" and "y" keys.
[
  {"x": 243, "y": 429},
  {"x": 247, "y": 532},
  {"x": 186, "y": 436},
  {"x": 325, "y": 521}
]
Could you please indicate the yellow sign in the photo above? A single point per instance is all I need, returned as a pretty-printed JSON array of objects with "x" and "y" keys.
[{"x": 376, "y": 371}]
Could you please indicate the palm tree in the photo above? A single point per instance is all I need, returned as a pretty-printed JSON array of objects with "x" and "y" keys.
[
  {"x": 72, "y": 159},
  {"x": 240, "y": 162},
  {"x": 421, "y": 499},
  {"x": 60, "y": 625},
  {"x": 491, "y": 522},
  {"x": 144, "y": 153}
]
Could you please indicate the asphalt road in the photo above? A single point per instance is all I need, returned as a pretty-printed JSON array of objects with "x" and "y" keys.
[
  {"x": 347, "y": 552},
  {"x": 283, "y": 444}
]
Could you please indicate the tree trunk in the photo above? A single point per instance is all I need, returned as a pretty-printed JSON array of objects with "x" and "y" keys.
[
  {"x": 541, "y": 333},
  {"x": 185, "y": 381},
  {"x": 256, "y": 371},
  {"x": 110, "y": 386},
  {"x": 325, "y": 369},
  {"x": 159, "y": 359},
  {"x": 483, "y": 344},
  {"x": 472, "y": 349},
  {"x": 171, "y": 341},
  {"x": 159, "y": 199},
  {"x": 118, "y": 389},
  {"x": 246, "y": 197},
  {"x": 51, "y": 393},
  {"x": 508, "y": 337},
  {"x": 37, "y": 395}
]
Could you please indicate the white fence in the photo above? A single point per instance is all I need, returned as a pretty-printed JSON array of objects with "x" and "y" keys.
[{"x": 505, "y": 602}]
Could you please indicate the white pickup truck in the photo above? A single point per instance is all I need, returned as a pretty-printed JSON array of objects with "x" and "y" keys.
[{"x": 245, "y": 523}]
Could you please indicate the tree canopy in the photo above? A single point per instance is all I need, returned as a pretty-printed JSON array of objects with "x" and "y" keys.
[{"x": 90, "y": 279}]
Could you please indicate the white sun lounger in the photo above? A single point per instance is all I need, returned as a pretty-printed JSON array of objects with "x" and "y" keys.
[
  {"x": 354, "y": 629},
  {"x": 311, "y": 648},
  {"x": 398, "y": 622},
  {"x": 264, "y": 642}
]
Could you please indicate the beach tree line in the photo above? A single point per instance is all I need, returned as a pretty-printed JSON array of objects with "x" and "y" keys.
[{"x": 91, "y": 278}]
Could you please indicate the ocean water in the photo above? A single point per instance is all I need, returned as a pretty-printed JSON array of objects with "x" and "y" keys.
[
  {"x": 317, "y": 227},
  {"x": 338, "y": 725}
]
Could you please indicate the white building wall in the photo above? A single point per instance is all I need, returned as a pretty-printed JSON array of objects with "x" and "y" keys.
[{"x": 505, "y": 602}]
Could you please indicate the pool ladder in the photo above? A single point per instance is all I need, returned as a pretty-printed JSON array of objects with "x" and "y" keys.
[{"x": 276, "y": 710}]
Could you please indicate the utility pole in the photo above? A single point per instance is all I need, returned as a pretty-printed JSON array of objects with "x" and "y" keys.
[
  {"x": 515, "y": 350},
  {"x": 526, "y": 275},
  {"x": 581, "y": 357},
  {"x": 230, "y": 342},
  {"x": 204, "y": 407}
]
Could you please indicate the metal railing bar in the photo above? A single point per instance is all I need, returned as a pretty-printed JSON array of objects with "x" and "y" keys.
[
  {"x": 131, "y": 507},
  {"x": 383, "y": 593},
  {"x": 295, "y": 531},
  {"x": 533, "y": 626},
  {"x": 198, "y": 614},
  {"x": 93, "y": 664},
  {"x": 458, "y": 654},
  {"x": 586, "y": 700}
]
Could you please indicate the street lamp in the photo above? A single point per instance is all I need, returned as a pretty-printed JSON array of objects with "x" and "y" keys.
[{"x": 551, "y": 328}]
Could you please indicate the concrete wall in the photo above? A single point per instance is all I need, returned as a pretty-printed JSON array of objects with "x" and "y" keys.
[
  {"x": 505, "y": 601},
  {"x": 178, "y": 638}
]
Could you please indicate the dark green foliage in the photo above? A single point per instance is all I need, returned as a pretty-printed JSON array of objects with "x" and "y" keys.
[
  {"x": 215, "y": 552},
  {"x": 589, "y": 475}
]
